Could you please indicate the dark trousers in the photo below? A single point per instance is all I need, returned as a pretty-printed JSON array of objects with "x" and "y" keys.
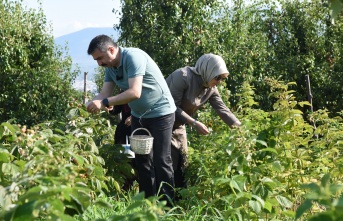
[
  {"x": 179, "y": 161},
  {"x": 155, "y": 170}
]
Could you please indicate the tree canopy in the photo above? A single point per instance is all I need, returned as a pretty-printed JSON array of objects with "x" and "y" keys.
[
  {"x": 36, "y": 78},
  {"x": 285, "y": 40}
]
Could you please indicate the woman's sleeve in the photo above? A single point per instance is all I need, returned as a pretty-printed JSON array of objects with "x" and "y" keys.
[{"x": 221, "y": 109}]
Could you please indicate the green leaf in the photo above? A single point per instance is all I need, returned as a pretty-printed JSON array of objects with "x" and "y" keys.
[
  {"x": 325, "y": 180},
  {"x": 24, "y": 212},
  {"x": 284, "y": 202},
  {"x": 276, "y": 166},
  {"x": 238, "y": 182},
  {"x": 269, "y": 149},
  {"x": 302, "y": 103},
  {"x": 55, "y": 139},
  {"x": 56, "y": 204},
  {"x": 5, "y": 156},
  {"x": 326, "y": 216},
  {"x": 151, "y": 216},
  {"x": 139, "y": 196},
  {"x": 262, "y": 142},
  {"x": 58, "y": 131},
  {"x": 79, "y": 159},
  {"x": 10, "y": 169},
  {"x": 259, "y": 199},
  {"x": 134, "y": 205},
  {"x": 244, "y": 195},
  {"x": 336, "y": 7},
  {"x": 9, "y": 127},
  {"x": 268, "y": 206},
  {"x": 255, "y": 206},
  {"x": 103, "y": 204},
  {"x": 306, "y": 205}
]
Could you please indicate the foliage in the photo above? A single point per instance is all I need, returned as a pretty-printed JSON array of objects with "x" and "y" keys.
[
  {"x": 99, "y": 78},
  {"x": 323, "y": 195},
  {"x": 336, "y": 7},
  {"x": 281, "y": 164},
  {"x": 269, "y": 169},
  {"x": 257, "y": 172},
  {"x": 36, "y": 81},
  {"x": 175, "y": 33},
  {"x": 55, "y": 169},
  {"x": 283, "y": 40}
]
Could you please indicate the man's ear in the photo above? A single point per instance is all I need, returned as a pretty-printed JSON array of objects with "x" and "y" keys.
[{"x": 111, "y": 49}]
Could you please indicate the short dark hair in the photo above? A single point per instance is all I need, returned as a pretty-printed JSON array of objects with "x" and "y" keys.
[{"x": 101, "y": 42}]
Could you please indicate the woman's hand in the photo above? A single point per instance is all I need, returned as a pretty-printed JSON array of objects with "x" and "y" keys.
[
  {"x": 236, "y": 124},
  {"x": 201, "y": 128},
  {"x": 128, "y": 121}
]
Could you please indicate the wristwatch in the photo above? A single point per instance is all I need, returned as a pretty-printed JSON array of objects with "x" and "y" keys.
[{"x": 105, "y": 102}]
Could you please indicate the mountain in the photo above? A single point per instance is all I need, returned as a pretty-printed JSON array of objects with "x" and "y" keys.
[{"x": 77, "y": 45}]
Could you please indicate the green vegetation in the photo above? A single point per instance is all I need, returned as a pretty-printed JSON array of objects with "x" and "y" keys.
[
  {"x": 281, "y": 39},
  {"x": 277, "y": 166},
  {"x": 58, "y": 162},
  {"x": 36, "y": 81}
]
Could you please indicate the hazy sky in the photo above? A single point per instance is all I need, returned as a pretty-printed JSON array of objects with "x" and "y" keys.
[{"x": 67, "y": 16}]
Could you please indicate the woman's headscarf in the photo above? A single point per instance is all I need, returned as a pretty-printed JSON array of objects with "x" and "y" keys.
[{"x": 209, "y": 66}]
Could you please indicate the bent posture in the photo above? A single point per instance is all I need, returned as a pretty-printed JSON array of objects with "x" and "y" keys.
[
  {"x": 152, "y": 107},
  {"x": 192, "y": 87}
]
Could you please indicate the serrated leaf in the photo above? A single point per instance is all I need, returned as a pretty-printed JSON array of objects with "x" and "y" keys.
[
  {"x": 284, "y": 202},
  {"x": 255, "y": 206},
  {"x": 268, "y": 206}
]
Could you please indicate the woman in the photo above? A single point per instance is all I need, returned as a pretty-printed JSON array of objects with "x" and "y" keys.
[{"x": 192, "y": 87}]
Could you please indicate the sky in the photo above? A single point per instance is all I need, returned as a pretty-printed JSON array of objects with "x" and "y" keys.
[{"x": 68, "y": 16}]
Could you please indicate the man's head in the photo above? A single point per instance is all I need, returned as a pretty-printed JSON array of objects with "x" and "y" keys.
[{"x": 104, "y": 50}]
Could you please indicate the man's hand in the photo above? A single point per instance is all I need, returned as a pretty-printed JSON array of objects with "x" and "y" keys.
[{"x": 94, "y": 106}]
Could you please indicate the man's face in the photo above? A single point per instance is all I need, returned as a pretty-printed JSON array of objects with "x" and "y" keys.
[{"x": 105, "y": 59}]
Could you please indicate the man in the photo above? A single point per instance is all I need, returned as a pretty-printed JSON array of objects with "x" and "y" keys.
[{"x": 152, "y": 107}]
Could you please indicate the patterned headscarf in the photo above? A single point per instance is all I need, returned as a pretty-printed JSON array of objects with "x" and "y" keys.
[{"x": 209, "y": 66}]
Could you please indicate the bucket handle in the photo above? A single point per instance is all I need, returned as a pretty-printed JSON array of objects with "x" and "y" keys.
[{"x": 141, "y": 129}]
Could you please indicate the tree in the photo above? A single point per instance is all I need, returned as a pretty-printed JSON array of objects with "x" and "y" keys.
[
  {"x": 336, "y": 7},
  {"x": 283, "y": 40},
  {"x": 36, "y": 80},
  {"x": 174, "y": 33}
]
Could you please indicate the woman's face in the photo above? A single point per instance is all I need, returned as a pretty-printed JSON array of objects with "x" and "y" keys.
[{"x": 216, "y": 80}]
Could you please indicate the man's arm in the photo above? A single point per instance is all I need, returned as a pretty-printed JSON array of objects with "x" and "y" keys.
[{"x": 134, "y": 92}]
